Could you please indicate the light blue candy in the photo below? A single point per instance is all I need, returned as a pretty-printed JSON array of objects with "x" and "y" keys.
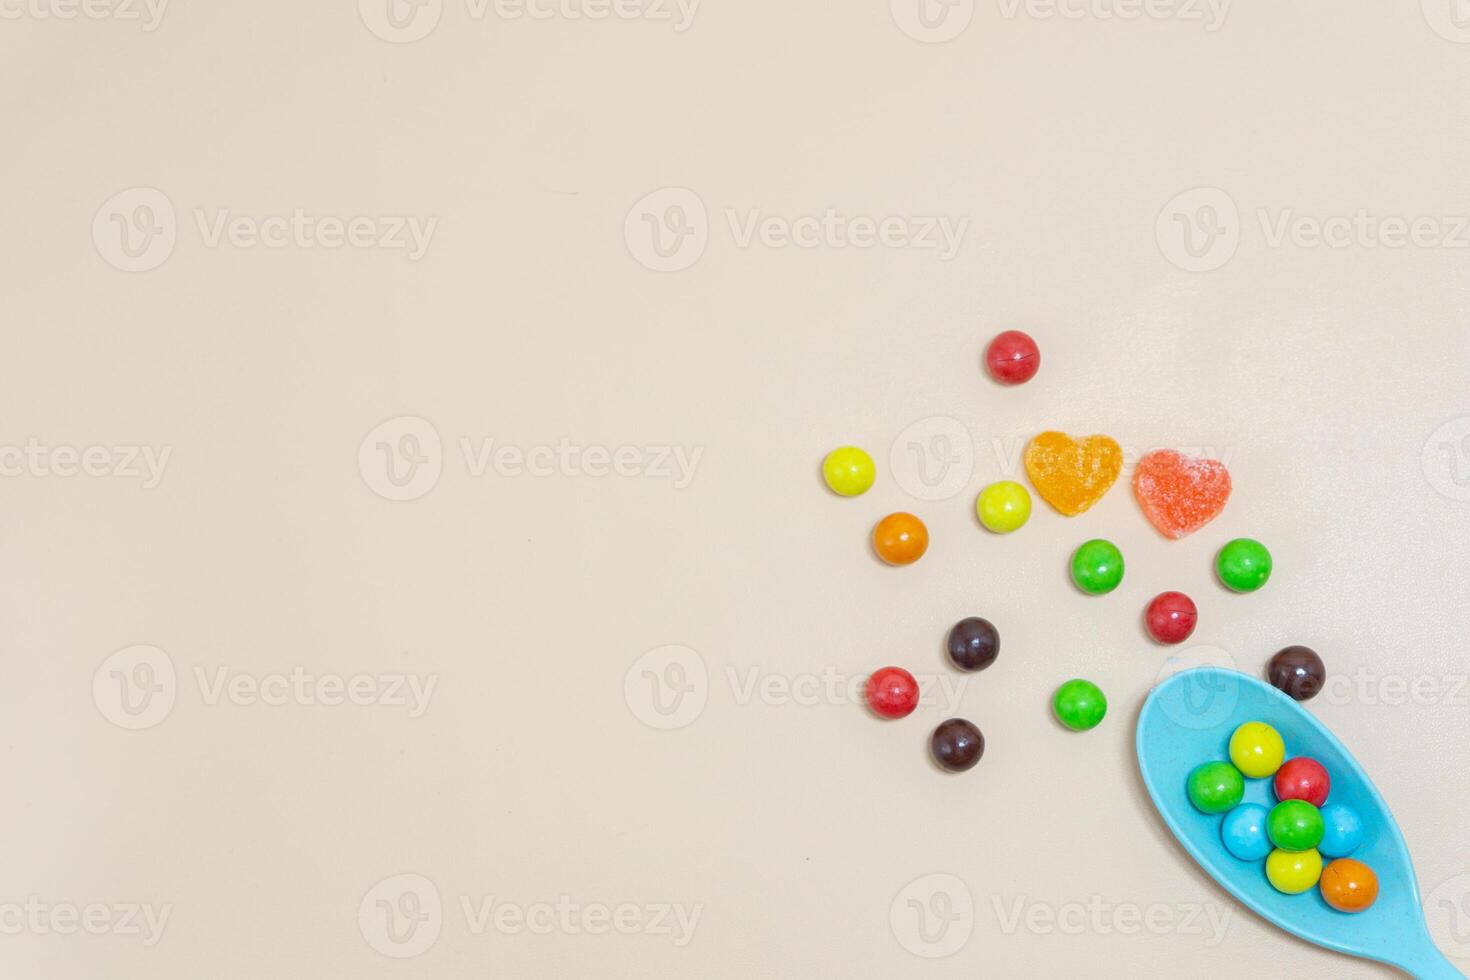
[
  {"x": 1344, "y": 830},
  {"x": 1244, "y": 832}
]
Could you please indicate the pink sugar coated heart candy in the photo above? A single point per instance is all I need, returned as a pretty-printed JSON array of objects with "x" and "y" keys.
[{"x": 1180, "y": 494}]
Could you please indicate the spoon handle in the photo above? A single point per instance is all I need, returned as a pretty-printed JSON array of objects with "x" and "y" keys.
[{"x": 1430, "y": 964}]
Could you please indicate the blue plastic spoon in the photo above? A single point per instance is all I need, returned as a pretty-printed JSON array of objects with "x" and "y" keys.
[{"x": 1188, "y": 719}]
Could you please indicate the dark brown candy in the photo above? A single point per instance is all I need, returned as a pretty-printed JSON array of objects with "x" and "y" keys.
[
  {"x": 957, "y": 745},
  {"x": 973, "y": 644},
  {"x": 1297, "y": 671}
]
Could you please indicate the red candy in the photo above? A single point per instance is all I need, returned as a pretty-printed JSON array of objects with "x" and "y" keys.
[
  {"x": 1171, "y": 616},
  {"x": 1303, "y": 779},
  {"x": 1013, "y": 358},
  {"x": 1180, "y": 494},
  {"x": 892, "y": 692}
]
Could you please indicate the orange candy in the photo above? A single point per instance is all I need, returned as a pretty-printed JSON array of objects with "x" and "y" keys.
[
  {"x": 900, "y": 539},
  {"x": 1348, "y": 885},
  {"x": 1180, "y": 494},
  {"x": 1072, "y": 474}
]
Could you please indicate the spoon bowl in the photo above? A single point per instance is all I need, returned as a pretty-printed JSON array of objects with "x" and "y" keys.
[{"x": 1187, "y": 720}]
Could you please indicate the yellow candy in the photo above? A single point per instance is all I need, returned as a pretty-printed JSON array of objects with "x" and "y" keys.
[
  {"x": 1003, "y": 507},
  {"x": 849, "y": 471},
  {"x": 1072, "y": 475},
  {"x": 1257, "y": 750},
  {"x": 1293, "y": 872}
]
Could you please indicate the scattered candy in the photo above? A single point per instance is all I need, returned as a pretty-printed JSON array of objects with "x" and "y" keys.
[
  {"x": 1215, "y": 787},
  {"x": 1293, "y": 872},
  {"x": 1079, "y": 704},
  {"x": 900, "y": 539},
  {"x": 956, "y": 745},
  {"x": 1297, "y": 672},
  {"x": 1243, "y": 565},
  {"x": 1097, "y": 566},
  {"x": 1303, "y": 779},
  {"x": 1072, "y": 475},
  {"x": 848, "y": 471},
  {"x": 1180, "y": 494},
  {"x": 1244, "y": 832},
  {"x": 1349, "y": 886},
  {"x": 1342, "y": 830},
  {"x": 1013, "y": 357},
  {"x": 1295, "y": 825},
  {"x": 973, "y": 644},
  {"x": 892, "y": 692},
  {"x": 1170, "y": 617},
  {"x": 1003, "y": 507},
  {"x": 1257, "y": 750}
]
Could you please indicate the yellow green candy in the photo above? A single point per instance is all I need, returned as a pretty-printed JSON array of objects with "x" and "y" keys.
[
  {"x": 1003, "y": 507},
  {"x": 1257, "y": 750},
  {"x": 849, "y": 471},
  {"x": 1293, "y": 872}
]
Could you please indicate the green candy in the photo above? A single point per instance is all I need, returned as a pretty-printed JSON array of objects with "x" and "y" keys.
[
  {"x": 1097, "y": 566},
  {"x": 1295, "y": 825},
  {"x": 1243, "y": 565},
  {"x": 1079, "y": 705},
  {"x": 1216, "y": 787}
]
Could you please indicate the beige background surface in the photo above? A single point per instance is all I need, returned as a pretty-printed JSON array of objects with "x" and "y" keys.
[{"x": 796, "y": 835}]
